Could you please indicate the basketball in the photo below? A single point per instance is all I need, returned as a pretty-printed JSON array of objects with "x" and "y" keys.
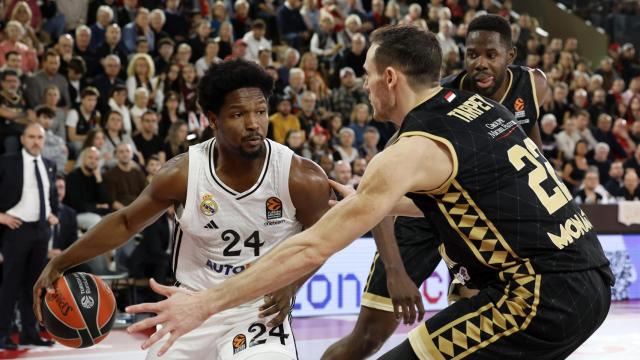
[{"x": 81, "y": 311}]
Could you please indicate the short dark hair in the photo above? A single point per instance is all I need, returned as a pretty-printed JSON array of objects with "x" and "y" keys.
[
  {"x": 166, "y": 41},
  {"x": 493, "y": 23},
  {"x": 51, "y": 53},
  {"x": 46, "y": 111},
  {"x": 413, "y": 51},
  {"x": 77, "y": 64},
  {"x": 259, "y": 24},
  {"x": 227, "y": 76},
  {"x": 9, "y": 53},
  {"x": 153, "y": 158},
  {"x": 89, "y": 91},
  {"x": 117, "y": 88},
  {"x": 8, "y": 73}
]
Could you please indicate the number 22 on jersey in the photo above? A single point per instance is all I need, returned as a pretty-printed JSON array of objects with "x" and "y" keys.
[{"x": 541, "y": 172}]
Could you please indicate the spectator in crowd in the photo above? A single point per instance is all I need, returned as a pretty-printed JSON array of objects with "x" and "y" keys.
[
  {"x": 359, "y": 166},
  {"x": 290, "y": 60},
  {"x": 112, "y": 46},
  {"x": 51, "y": 100},
  {"x": 176, "y": 141},
  {"x": 76, "y": 69},
  {"x": 27, "y": 209},
  {"x": 445, "y": 38},
  {"x": 634, "y": 161},
  {"x": 558, "y": 105},
  {"x": 97, "y": 139},
  {"x": 55, "y": 147},
  {"x": 295, "y": 141},
  {"x": 283, "y": 121},
  {"x": 377, "y": 16},
  {"x": 118, "y": 102},
  {"x": 225, "y": 39},
  {"x": 616, "y": 171},
  {"x": 140, "y": 102},
  {"x": 147, "y": 142},
  {"x": 622, "y": 137},
  {"x": 89, "y": 198},
  {"x": 548, "y": 125},
  {"x": 176, "y": 21},
  {"x": 598, "y": 104},
  {"x": 369, "y": 147},
  {"x": 345, "y": 150},
  {"x": 352, "y": 26},
  {"x": 141, "y": 73},
  {"x": 84, "y": 118},
  {"x": 125, "y": 181},
  {"x": 189, "y": 88},
  {"x": 343, "y": 174},
  {"x": 65, "y": 232},
  {"x": 296, "y": 87},
  {"x": 325, "y": 43},
  {"x": 127, "y": 12},
  {"x": 567, "y": 138},
  {"x": 170, "y": 113},
  {"x": 584, "y": 129},
  {"x": 34, "y": 88},
  {"x": 115, "y": 135},
  {"x": 601, "y": 161},
  {"x": 13, "y": 62},
  {"x": 348, "y": 94},
  {"x": 210, "y": 56},
  {"x": 255, "y": 40},
  {"x": 311, "y": 14},
  {"x": 83, "y": 47},
  {"x": 105, "y": 82},
  {"x": 14, "y": 113},
  {"x": 355, "y": 55},
  {"x": 292, "y": 27},
  {"x": 603, "y": 134},
  {"x": 14, "y": 32},
  {"x": 359, "y": 121},
  {"x": 199, "y": 40},
  {"x": 240, "y": 20},
  {"x": 319, "y": 143},
  {"x": 104, "y": 16},
  {"x": 589, "y": 194},
  {"x": 238, "y": 50},
  {"x": 64, "y": 48},
  {"x": 630, "y": 191},
  {"x": 326, "y": 163},
  {"x": 633, "y": 111},
  {"x": 308, "y": 115},
  {"x": 574, "y": 170},
  {"x": 165, "y": 47}
]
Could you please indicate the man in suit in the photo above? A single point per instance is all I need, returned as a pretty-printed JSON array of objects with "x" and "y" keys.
[{"x": 27, "y": 209}]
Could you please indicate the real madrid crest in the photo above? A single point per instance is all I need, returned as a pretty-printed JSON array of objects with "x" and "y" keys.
[{"x": 208, "y": 206}]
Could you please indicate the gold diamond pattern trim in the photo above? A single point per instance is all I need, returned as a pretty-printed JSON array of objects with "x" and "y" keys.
[{"x": 462, "y": 336}]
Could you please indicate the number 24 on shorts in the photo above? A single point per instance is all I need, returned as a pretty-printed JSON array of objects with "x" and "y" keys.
[{"x": 239, "y": 342}]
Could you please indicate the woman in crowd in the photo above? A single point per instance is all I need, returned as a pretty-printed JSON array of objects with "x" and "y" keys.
[
  {"x": 345, "y": 150},
  {"x": 118, "y": 102},
  {"x": 140, "y": 102},
  {"x": 574, "y": 170},
  {"x": 225, "y": 39},
  {"x": 170, "y": 114},
  {"x": 141, "y": 72},
  {"x": 51, "y": 99},
  {"x": 210, "y": 57},
  {"x": 176, "y": 141},
  {"x": 96, "y": 138},
  {"x": 114, "y": 135}
]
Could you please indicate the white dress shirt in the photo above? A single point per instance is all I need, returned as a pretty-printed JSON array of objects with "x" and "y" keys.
[{"x": 28, "y": 208}]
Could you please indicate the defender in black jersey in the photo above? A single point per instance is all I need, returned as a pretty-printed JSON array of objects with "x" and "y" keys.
[
  {"x": 489, "y": 53},
  {"x": 507, "y": 223}
]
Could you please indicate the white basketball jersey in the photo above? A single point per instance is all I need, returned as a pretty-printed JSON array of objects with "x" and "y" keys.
[{"x": 221, "y": 232}]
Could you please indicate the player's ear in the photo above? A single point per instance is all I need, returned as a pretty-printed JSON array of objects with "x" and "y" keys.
[
  {"x": 511, "y": 55},
  {"x": 213, "y": 120},
  {"x": 390, "y": 77}
]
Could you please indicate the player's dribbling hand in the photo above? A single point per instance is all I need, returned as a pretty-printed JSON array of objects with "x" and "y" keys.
[
  {"x": 405, "y": 297},
  {"x": 45, "y": 282},
  {"x": 277, "y": 302},
  {"x": 180, "y": 313}
]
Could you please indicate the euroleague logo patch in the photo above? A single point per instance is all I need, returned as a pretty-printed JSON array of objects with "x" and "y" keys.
[
  {"x": 239, "y": 343},
  {"x": 274, "y": 208},
  {"x": 518, "y": 105},
  {"x": 87, "y": 302},
  {"x": 208, "y": 206}
]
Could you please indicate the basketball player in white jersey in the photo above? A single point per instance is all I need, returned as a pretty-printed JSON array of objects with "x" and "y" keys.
[{"x": 237, "y": 196}]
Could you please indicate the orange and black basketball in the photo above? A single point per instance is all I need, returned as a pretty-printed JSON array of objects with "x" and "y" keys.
[
  {"x": 81, "y": 311},
  {"x": 274, "y": 204}
]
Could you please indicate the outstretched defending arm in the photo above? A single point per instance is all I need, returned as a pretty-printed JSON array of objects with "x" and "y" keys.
[{"x": 414, "y": 163}]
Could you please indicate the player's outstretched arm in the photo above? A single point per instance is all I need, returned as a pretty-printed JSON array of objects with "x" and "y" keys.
[
  {"x": 412, "y": 164},
  {"x": 168, "y": 187}
]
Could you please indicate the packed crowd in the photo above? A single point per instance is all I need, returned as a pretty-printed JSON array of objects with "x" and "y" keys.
[{"x": 114, "y": 85}]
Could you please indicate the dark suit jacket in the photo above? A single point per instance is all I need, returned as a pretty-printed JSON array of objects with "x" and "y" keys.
[
  {"x": 11, "y": 181},
  {"x": 67, "y": 232}
]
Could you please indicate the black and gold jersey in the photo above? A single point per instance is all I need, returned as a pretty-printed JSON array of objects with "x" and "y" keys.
[
  {"x": 520, "y": 98},
  {"x": 503, "y": 212}
]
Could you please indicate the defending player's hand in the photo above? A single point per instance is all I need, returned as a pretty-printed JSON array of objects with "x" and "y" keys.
[
  {"x": 278, "y": 302},
  {"x": 45, "y": 282},
  {"x": 343, "y": 190},
  {"x": 405, "y": 297},
  {"x": 180, "y": 313}
]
